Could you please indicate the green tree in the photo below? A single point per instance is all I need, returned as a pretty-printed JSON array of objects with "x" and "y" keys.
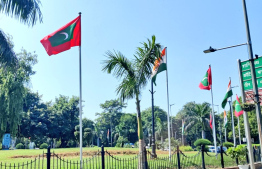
[
  {"x": 12, "y": 90},
  {"x": 112, "y": 109},
  {"x": 64, "y": 117},
  {"x": 28, "y": 12},
  {"x": 198, "y": 114},
  {"x": 161, "y": 128},
  {"x": 127, "y": 127},
  {"x": 134, "y": 76}
]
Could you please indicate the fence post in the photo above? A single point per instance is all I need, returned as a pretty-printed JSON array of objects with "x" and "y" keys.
[
  {"x": 254, "y": 154},
  {"x": 103, "y": 156},
  {"x": 145, "y": 155},
  {"x": 203, "y": 157},
  {"x": 48, "y": 156},
  {"x": 221, "y": 154},
  {"x": 178, "y": 158}
]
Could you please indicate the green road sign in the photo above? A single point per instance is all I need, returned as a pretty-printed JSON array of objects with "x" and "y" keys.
[
  {"x": 245, "y": 65},
  {"x": 248, "y": 85},
  {"x": 246, "y": 74}
]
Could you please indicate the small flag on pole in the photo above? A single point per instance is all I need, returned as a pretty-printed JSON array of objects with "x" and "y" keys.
[
  {"x": 183, "y": 126},
  {"x": 108, "y": 134},
  {"x": 206, "y": 81},
  {"x": 238, "y": 109},
  {"x": 229, "y": 93},
  {"x": 225, "y": 118},
  {"x": 159, "y": 65},
  {"x": 210, "y": 121},
  {"x": 64, "y": 38}
]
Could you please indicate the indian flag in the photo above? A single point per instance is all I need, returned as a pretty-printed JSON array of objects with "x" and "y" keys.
[
  {"x": 225, "y": 118},
  {"x": 159, "y": 65},
  {"x": 183, "y": 126},
  {"x": 229, "y": 93}
]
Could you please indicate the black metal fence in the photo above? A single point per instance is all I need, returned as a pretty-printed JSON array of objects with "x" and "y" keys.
[{"x": 104, "y": 160}]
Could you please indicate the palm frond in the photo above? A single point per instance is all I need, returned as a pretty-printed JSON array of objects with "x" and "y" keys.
[
  {"x": 7, "y": 55},
  {"x": 189, "y": 125},
  {"x": 119, "y": 64},
  {"x": 127, "y": 88},
  {"x": 27, "y": 11}
]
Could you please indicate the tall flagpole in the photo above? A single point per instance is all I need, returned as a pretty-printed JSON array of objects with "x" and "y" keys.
[
  {"x": 213, "y": 122},
  {"x": 80, "y": 101},
  {"x": 232, "y": 118},
  {"x": 168, "y": 123}
]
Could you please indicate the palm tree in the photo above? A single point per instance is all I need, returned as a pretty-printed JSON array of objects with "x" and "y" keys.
[
  {"x": 134, "y": 76},
  {"x": 160, "y": 128},
  {"x": 198, "y": 114},
  {"x": 28, "y": 12}
]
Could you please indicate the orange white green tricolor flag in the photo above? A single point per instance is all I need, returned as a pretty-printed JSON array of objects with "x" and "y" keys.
[
  {"x": 159, "y": 65},
  {"x": 225, "y": 118},
  {"x": 64, "y": 38}
]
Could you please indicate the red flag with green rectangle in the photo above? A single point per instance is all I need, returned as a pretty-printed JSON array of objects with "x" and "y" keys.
[
  {"x": 238, "y": 109},
  {"x": 64, "y": 38},
  {"x": 206, "y": 82}
]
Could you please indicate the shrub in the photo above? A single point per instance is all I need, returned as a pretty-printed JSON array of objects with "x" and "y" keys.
[
  {"x": 200, "y": 142},
  {"x": 136, "y": 145},
  {"x": 19, "y": 146},
  {"x": 206, "y": 148},
  {"x": 239, "y": 152},
  {"x": 44, "y": 146},
  {"x": 186, "y": 148},
  {"x": 127, "y": 146},
  {"x": 228, "y": 144},
  {"x": 0, "y": 146},
  {"x": 58, "y": 143}
]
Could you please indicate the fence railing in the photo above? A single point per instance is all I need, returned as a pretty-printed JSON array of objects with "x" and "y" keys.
[{"x": 105, "y": 160}]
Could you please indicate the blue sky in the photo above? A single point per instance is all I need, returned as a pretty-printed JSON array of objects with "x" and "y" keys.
[{"x": 185, "y": 27}]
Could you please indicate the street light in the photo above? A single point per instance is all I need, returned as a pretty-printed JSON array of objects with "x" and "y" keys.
[
  {"x": 171, "y": 120},
  {"x": 213, "y": 50}
]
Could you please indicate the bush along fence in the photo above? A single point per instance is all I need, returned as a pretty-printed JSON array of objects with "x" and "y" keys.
[{"x": 104, "y": 160}]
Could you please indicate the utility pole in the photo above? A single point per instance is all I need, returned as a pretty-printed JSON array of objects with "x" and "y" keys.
[{"x": 153, "y": 123}]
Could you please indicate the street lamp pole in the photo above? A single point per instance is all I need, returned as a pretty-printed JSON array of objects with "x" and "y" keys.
[
  {"x": 153, "y": 122},
  {"x": 255, "y": 88},
  {"x": 172, "y": 132},
  {"x": 252, "y": 68}
]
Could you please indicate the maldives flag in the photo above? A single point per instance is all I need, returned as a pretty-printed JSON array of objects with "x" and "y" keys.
[
  {"x": 64, "y": 38},
  {"x": 159, "y": 65},
  {"x": 238, "y": 109},
  {"x": 211, "y": 121},
  {"x": 206, "y": 81}
]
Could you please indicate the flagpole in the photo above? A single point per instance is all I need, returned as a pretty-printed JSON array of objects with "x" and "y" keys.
[
  {"x": 168, "y": 123},
  {"x": 213, "y": 123},
  {"x": 239, "y": 130},
  {"x": 80, "y": 101},
  {"x": 232, "y": 118}
]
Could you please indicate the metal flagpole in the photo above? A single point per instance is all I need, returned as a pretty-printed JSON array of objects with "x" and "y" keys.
[
  {"x": 239, "y": 130},
  {"x": 80, "y": 101},
  {"x": 168, "y": 123},
  {"x": 246, "y": 122},
  {"x": 213, "y": 123},
  {"x": 232, "y": 117}
]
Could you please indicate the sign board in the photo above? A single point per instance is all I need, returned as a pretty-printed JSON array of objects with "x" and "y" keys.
[
  {"x": 247, "y": 79},
  {"x": 244, "y": 140},
  {"x": 6, "y": 141}
]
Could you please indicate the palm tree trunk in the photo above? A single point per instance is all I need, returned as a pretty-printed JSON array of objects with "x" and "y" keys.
[
  {"x": 141, "y": 158},
  {"x": 162, "y": 142},
  {"x": 203, "y": 134}
]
